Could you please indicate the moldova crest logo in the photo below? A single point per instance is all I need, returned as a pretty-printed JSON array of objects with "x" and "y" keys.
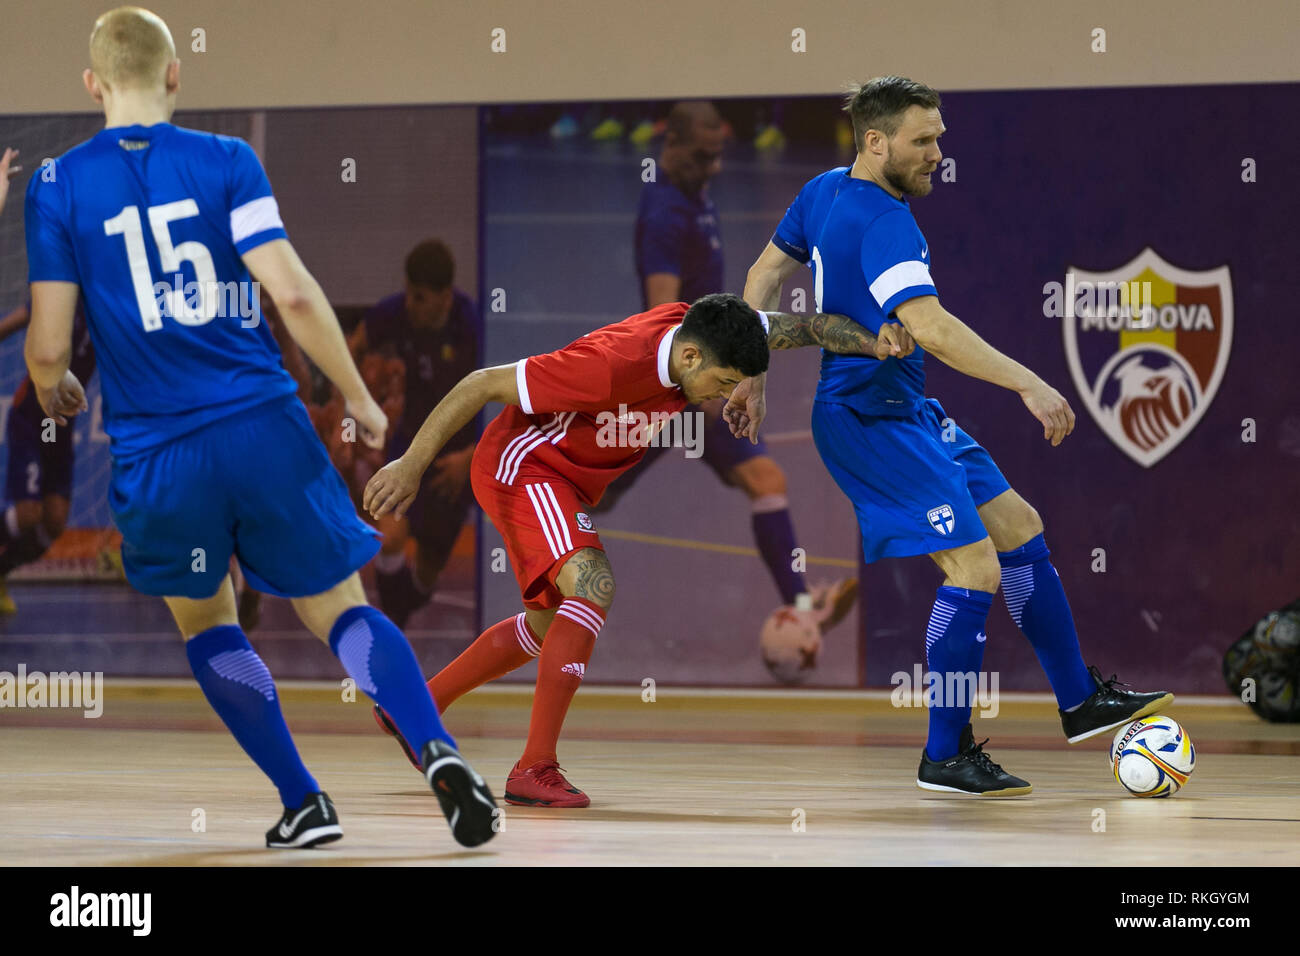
[{"x": 1147, "y": 346}]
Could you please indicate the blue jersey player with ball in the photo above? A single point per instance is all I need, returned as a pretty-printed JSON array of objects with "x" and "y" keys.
[{"x": 918, "y": 483}]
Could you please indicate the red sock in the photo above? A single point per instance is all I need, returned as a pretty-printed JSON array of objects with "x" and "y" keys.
[
  {"x": 563, "y": 661},
  {"x": 500, "y": 649}
]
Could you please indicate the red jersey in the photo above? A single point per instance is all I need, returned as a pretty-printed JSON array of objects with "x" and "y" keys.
[{"x": 588, "y": 411}]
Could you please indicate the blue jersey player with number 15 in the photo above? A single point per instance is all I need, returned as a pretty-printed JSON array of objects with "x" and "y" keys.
[
  {"x": 158, "y": 228},
  {"x": 919, "y": 484}
]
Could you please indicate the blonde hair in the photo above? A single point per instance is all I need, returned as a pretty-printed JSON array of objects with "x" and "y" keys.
[{"x": 130, "y": 47}]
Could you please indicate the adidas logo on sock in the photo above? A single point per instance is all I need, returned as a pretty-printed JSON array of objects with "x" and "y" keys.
[{"x": 577, "y": 670}]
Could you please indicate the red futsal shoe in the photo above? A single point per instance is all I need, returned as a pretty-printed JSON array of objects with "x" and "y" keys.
[
  {"x": 387, "y": 726},
  {"x": 542, "y": 785}
]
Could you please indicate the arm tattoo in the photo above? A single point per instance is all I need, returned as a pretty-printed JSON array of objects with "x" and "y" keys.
[{"x": 835, "y": 333}]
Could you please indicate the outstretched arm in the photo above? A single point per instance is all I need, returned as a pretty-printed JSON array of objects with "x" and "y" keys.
[
  {"x": 393, "y": 487},
  {"x": 954, "y": 343},
  {"x": 836, "y": 333},
  {"x": 747, "y": 406}
]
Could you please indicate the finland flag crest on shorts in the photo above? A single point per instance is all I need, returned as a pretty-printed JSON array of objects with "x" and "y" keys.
[{"x": 941, "y": 519}]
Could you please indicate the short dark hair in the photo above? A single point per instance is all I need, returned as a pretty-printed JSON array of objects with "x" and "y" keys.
[
  {"x": 431, "y": 264},
  {"x": 880, "y": 104},
  {"x": 689, "y": 115},
  {"x": 728, "y": 331}
]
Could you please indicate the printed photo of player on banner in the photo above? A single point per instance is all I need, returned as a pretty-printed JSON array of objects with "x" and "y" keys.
[
  {"x": 407, "y": 305},
  {"x": 638, "y": 205}
]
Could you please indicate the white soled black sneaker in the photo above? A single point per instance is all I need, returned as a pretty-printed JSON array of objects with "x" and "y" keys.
[
  {"x": 971, "y": 771},
  {"x": 312, "y": 824},
  {"x": 466, "y": 801},
  {"x": 1109, "y": 708}
]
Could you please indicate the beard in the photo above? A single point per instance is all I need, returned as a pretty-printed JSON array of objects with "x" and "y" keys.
[{"x": 909, "y": 184}]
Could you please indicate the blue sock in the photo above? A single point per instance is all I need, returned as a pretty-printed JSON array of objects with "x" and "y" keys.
[
  {"x": 240, "y": 689},
  {"x": 954, "y": 644},
  {"x": 377, "y": 656},
  {"x": 1037, "y": 603},
  {"x": 774, "y": 535}
]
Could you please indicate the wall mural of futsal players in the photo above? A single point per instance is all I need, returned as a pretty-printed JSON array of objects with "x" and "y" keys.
[
  {"x": 679, "y": 258},
  {"x": 432, "y": 329},
  {"x": 38, "y": 489}
]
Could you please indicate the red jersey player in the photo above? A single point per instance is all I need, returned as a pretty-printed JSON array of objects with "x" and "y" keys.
[{"x": 576, "y": 419}]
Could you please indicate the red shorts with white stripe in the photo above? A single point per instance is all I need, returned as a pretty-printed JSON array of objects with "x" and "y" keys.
[{"x": 542, "y": 519}]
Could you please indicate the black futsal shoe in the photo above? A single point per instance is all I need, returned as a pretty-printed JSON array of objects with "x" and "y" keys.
[
  {"x": 312, "y": 824},
  {"x": 971, "y": 771},
  {"x": 466, "y": 801},
  {"x": 1109, "y": 708}
]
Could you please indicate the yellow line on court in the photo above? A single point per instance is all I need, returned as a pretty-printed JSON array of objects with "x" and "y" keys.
[{"x": 692, "y": 545}]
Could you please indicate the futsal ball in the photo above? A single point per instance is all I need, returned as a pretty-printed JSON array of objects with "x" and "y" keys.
[
  {"x": 790, "y": 642},
  {"x": 1277, "y": 636},
  {"x": 1152, "y": 757}
]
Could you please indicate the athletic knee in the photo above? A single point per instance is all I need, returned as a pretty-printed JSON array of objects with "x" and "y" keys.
[
  {"x": 1028, "y": 522},
  {"x": 759, "y": 477},
  {"x": 1011, "y": 521},
  {"x": 587, "y": 574},
  {"x": 987, "y": 577},
  {"x": 320, "y": 613},
  {"x": 1033, "y": 521},
  {"x": 978, "y": 569}
]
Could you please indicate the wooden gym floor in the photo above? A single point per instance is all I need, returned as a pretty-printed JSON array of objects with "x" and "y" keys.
[{"x": 695, "y": 777}]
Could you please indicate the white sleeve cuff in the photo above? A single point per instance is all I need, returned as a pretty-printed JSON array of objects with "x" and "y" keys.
[
  {"x": 762, "y": 317},
  {"x": 254, "y": 217},
  {"x": 522, "y": 384},
  {"x": 895, "y": 279}
]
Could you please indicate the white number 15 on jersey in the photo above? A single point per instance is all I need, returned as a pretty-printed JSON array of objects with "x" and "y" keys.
[{"x": 127, "y": 224}]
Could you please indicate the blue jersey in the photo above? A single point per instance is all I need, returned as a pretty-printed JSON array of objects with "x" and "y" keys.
[
  {"x": 868, "y": 257},
  {"x": 678, "y": 235},
  {"x": 151, "y": 222}
]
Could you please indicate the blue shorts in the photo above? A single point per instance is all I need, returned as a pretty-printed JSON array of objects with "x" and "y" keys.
[
  {"x": 257, "y": 484},
  {"x": 914, "y": 492},
  {"x": 37, "y": 468}
]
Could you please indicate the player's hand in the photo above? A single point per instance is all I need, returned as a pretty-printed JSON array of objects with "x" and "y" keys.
[
  {"x": 7, "y": 171},
  {"x": 391, "y": 488},
  {"x": 1051, "y": 409},
  {"x": 746, "y": 408},
  {"x": 893, "y": 341},
  {"x": 64, "y": 399},
  {"x": 450, "y": 472},
  {"x": 371, "y": 421}
]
